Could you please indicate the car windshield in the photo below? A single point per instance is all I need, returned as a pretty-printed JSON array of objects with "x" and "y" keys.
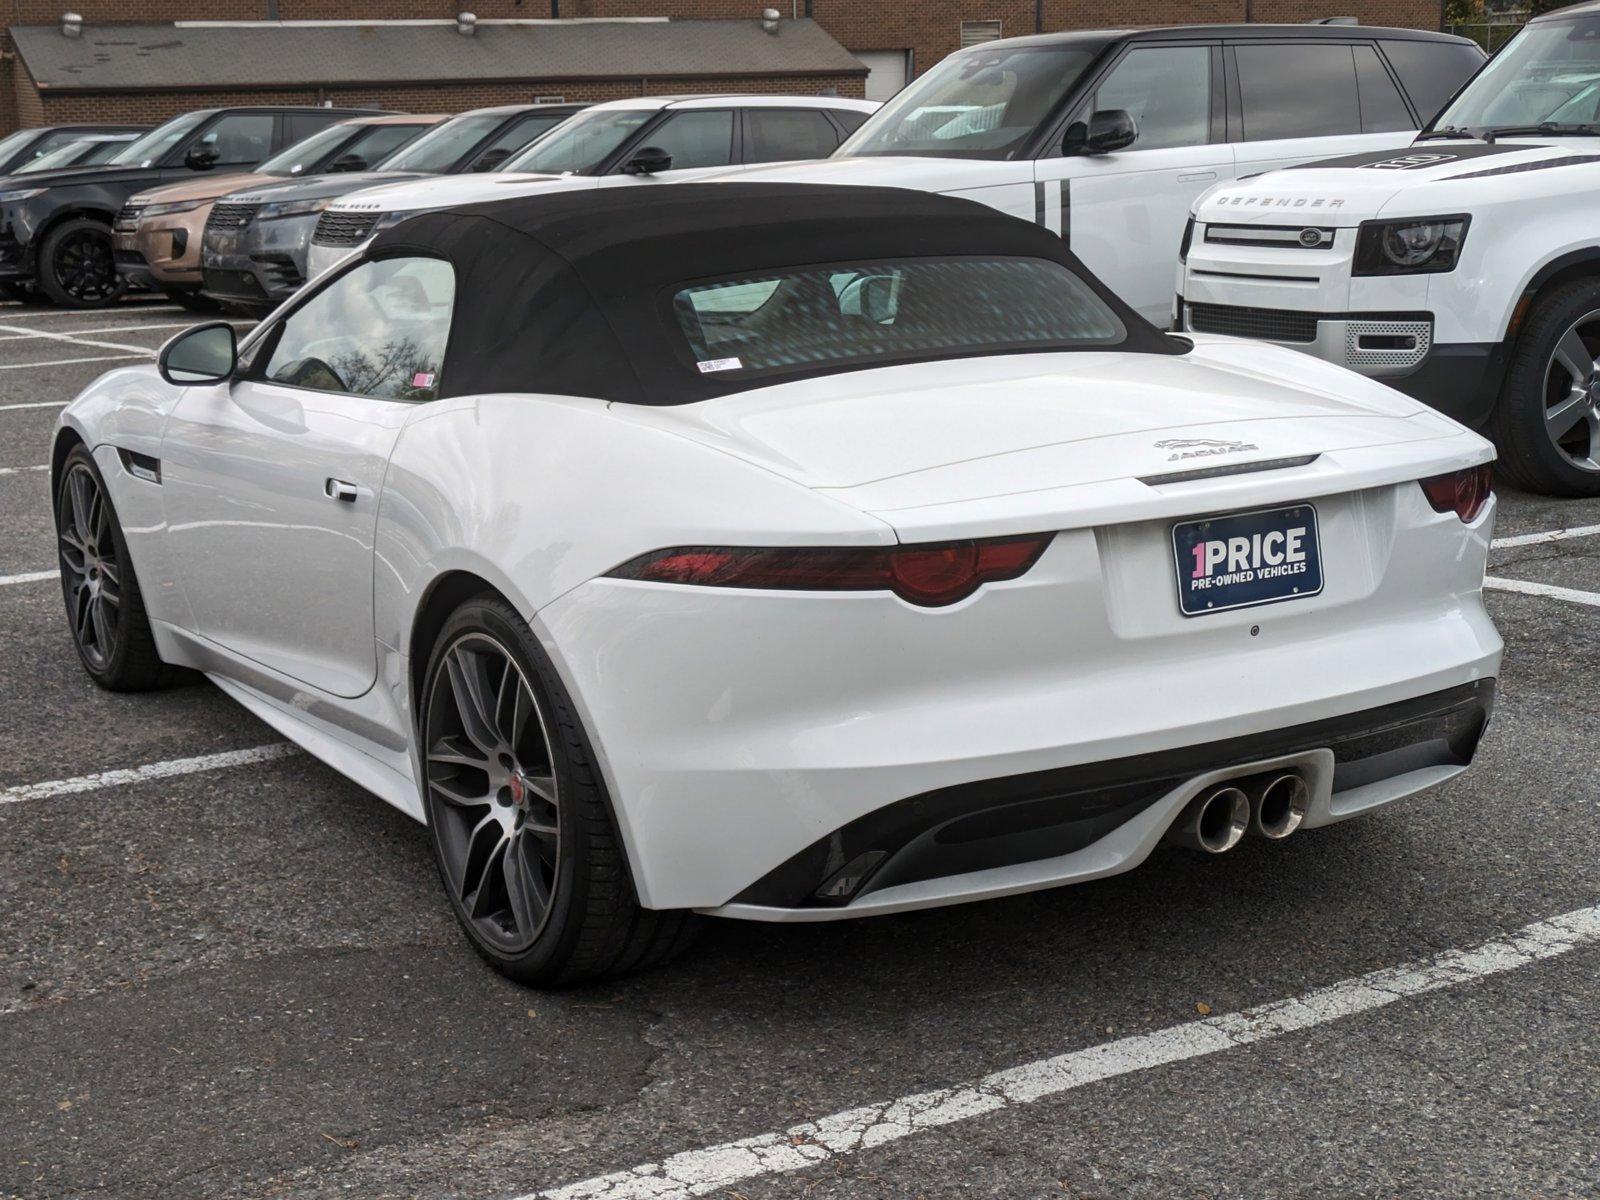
[
  {"x": 1550, "y": 72},
  {"x": 580, "y": 145},
  {"x": 153, "y": 146},
  {"x": 977, "y": 104},
  {"x": 808, "y": 317},
  {"x": 307, "y": 152},
  {"x": 445, "y": 145},
  {"x": 63, "y": 156},
  {"x": 10, "y": 144}
]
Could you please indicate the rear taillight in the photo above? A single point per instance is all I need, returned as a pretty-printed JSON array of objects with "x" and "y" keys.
[
  {"x": 930, "y": 574},
  {"x": 1461, "y": 492}
]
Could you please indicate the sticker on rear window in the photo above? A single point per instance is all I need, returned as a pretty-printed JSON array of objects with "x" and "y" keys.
[
  {"x": 719, "y": 364},
  {"x": 422, "y": 379}
]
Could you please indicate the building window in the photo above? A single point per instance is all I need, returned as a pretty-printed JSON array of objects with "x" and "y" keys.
[{"x": 976, "y": 32}]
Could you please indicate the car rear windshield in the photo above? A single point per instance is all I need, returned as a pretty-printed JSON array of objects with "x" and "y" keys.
[
  {"x": 806, "y": 318},
  {"x": 976, "y": 104}
]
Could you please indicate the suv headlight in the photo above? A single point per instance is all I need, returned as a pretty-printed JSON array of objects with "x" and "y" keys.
[
  {"x": 167, "y": 210},
  {"x": 293, "y": 208},
  {"x": 1411, "y": 247}
]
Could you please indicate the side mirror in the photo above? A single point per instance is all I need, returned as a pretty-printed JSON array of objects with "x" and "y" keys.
[
  {"x": 492, "y": 159},
  {"x": 201, "y": 157},
  {"x": 1108, "y": 130},
  {"x": 348, "y": 162},
  {"x": 205, "y": 354},
  {"x": 648, "y": 161}
]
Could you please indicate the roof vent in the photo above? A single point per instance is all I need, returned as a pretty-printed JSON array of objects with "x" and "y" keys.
[
  {"x": 466, "y": 24},
  {"x": 71, "y": 25},
  {"x": 770, "y": 18}
]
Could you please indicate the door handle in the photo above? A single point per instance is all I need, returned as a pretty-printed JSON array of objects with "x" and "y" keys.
[
  {"x": 338, "y": 489},
  {"x": 1197, "y": 177}
]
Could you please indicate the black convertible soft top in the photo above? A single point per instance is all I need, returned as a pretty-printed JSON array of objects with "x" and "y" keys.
[{"x": 569, "y": 292}]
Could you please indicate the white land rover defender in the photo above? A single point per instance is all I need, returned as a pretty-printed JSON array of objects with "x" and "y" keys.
[{"x": 1463, "y": 270}]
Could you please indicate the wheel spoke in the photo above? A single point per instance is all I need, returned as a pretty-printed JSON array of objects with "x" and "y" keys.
[
  {"x": 1569, "y": 412},
  {"x": 102, "y": 625},
  {"x": 451, "y": 750},
  {"x": 542, "y": 786},
  {"x": 524, "y": 887},
  {"x": 83, "y": 602},
  {"x": 1575, "y": 357},
  {"x": 478, "y": 903},
  {"x": 76, "y": 490},
  {"x": 451, "y": 791},
  {"x": 471, "y": 691}
]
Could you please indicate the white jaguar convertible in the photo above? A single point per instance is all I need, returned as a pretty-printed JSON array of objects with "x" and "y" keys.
[{"x": 781, "y": 552}]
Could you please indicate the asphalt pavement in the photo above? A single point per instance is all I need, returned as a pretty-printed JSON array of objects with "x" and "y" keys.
[{"x": 227, "y": 972}]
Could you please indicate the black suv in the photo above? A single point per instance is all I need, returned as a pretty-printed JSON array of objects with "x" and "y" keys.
[{"x": 55, "y": 226}]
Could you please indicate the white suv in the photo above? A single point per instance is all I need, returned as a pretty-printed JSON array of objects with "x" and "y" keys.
[
  {"x": 622, "y": 142},
  {"x": 1108, "y": 137},
  {"x": 1463, "y": 270}
]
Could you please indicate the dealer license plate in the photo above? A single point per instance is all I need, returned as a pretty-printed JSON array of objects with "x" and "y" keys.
[{"x": 1245, "y": 559}]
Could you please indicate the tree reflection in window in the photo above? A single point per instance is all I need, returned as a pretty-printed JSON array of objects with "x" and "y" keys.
[{"x": 378, "y": 331}]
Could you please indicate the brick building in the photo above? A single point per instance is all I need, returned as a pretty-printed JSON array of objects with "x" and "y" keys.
[{"x": 146, "y": 60}]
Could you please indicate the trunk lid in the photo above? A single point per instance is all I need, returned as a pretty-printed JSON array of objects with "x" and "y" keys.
[{"x": 1026, "y": 442}]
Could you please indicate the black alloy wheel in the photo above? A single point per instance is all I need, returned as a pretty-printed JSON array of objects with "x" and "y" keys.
[
  {"x": 77, "y": 268},
  {"x": 105, "y": 609},
  {"x": 496, "y": 802},
  {"x": 523, "y": 832}
]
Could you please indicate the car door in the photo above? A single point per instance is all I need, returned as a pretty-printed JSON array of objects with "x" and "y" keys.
[
  {"x": 1295, "y": 102},
  {"x": 1123, "y": 212},
  {"x": 231, "y": 141},
  {"x": 773, "y": 135},
  {"x": 700, "y": 141},
  {"x": 272, "y": 483}
]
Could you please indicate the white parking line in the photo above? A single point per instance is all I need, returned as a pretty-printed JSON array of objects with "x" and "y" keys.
[
  {"x": 156, "y": 770},
  {"x": 68, "y": 333},
  {"x": 20, "y": 470},
  {"x": 699, "y": 1172},
  {"x": 1539, "y": 539},
  {"x": 1548, "y": 590},
  {"x": 74, "y": 340},
  {"x": 141, "y": 309},
  {"x": 38, "y": 403},
  {"x": 67, "y": 362},
  {"x": 28, "y": 577}
]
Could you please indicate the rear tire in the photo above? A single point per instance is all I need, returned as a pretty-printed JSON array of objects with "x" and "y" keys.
[
  {"x": 77, "y": 268},
  {"x": 522, "y": 826},
  {"x": 1548, "y": 415},
  {"x": 105, "y": 610}
]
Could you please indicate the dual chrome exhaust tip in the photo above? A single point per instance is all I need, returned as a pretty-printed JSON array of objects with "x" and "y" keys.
[{"x": 1271, "y": 805}]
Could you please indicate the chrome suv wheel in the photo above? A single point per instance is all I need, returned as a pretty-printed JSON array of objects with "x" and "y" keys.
[{"x": 1546, "y": 422}]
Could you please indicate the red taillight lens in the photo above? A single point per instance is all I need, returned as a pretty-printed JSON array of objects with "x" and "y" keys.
[
  {"x": 930, "y": 574},
  {"x": 1461, "y": 492}
]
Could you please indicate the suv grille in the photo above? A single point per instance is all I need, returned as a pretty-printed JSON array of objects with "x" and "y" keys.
[
  {"x": 343, "y": 229},
  {"x": 127, "y": 218},
  {"x": 1269, "y": 324},
  {"x": 229, "y": 217}
]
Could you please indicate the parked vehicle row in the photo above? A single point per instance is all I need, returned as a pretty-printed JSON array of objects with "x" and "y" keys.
[
  {"x": 55, "y": 226},
  {"x": 621, "y": 143}
]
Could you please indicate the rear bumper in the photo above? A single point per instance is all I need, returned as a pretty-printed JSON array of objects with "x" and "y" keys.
[
  {"x": 1084, "y": 822},
  {"x": 738, "y": 731}
]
